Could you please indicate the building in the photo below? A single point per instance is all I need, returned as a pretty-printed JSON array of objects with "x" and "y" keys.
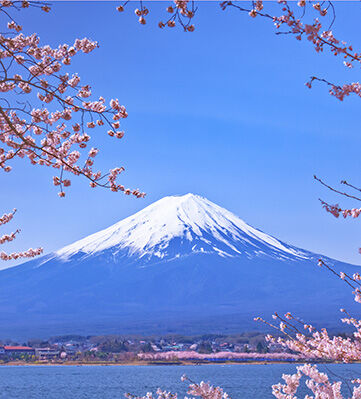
[
  {"x": 46, "y": 353},
  {"x": 18, "y": 350}
]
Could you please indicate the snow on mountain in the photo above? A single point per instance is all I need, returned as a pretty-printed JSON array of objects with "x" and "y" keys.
[{"x": 177, "y": 226}]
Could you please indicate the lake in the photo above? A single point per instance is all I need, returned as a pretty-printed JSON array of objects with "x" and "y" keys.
[{"x": 109, "y": 382}]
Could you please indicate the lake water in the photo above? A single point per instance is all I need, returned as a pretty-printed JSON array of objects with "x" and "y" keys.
[{"x": 108, "y": 382}]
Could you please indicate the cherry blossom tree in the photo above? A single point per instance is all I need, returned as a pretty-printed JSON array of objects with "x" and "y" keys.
[
  {"x": 318, "y": 345},
  {"x": 47, "y": 113},
  {"x": 236, "y": 356}
]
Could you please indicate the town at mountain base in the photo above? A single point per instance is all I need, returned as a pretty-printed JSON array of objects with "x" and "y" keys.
[{"x": 183, "y": 264}]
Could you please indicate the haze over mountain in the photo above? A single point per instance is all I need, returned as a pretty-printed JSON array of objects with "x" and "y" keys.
[{"x": 183, "y": 264}]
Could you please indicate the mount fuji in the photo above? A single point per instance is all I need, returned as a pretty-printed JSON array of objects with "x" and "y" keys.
[
  {"x": 174, "y": 227},
  {"x": 182, "y": 264}
]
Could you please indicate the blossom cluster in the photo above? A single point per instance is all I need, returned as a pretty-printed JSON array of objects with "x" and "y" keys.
[
  {"x": 292, "y": 19},
  {"x": 318, "y": 383},
  {"x": 30, "y": 253},
  {"x": 313, "y": 32},
  {"x": 335, "y": 209},
  {"x": 7, "y": 217},
  {"x": 47, "y": 113},
  {"x": 181, "y": 12},
  {"x": 202, "y": 390},
  {"x": 310, "y": 343}
]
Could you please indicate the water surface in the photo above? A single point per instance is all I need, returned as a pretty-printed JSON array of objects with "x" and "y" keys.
[{"x": 110, "y": 382}]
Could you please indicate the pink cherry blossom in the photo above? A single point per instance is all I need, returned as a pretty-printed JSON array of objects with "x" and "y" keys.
[
  {"x": 55, "y": 137},
  {"x": 41, "y": 135},
  {"x": 30, "y": 253}
]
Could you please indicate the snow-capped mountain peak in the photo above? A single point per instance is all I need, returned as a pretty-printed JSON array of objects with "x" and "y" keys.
[
  {"x": 177, "y": 226},
  {"x": 160, "y": 269}
]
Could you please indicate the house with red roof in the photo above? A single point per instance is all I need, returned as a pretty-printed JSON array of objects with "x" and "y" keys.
[{"x": 18, "y": 350}]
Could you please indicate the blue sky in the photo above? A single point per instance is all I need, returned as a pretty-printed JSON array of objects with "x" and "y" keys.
[{"x": 222, "y": 112}]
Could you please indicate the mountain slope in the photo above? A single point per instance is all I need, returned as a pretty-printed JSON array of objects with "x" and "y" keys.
[
  {"x": 181, "y": 264},
  {"x": 180, "y": 225}
]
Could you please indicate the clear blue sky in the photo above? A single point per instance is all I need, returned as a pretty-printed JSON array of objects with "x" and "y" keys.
[{"x": 222, "y": 112}]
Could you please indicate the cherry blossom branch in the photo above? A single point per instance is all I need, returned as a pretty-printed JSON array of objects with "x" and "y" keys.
[
  {"x": 202, "y": 390},
  {"x": 50, "y": 125},
  {"x": 7, "y": 217},
  {"x": 30, "y": 253},
  {"x": 314, "y": 33},
  {"x": 36, "y": 133},
  {"x": 350, "y": 185},
  {"x": 180, "y": 12}
]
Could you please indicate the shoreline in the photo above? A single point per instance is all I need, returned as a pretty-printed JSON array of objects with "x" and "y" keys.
[{"x": 163, "y": 363}]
